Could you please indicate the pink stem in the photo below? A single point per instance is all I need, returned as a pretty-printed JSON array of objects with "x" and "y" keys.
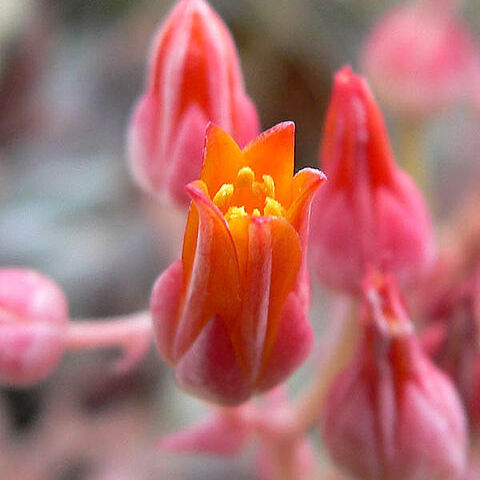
[{"x": 119, "y": 331}]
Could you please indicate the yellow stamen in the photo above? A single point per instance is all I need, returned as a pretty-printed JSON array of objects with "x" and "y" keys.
[
  {"x": 269, "y": 186},
  {"x": 250, "y": 193},
  {"x": 245, "y": 178},
  {"x": 273, "y": 208},
  {"x": 223, "y": 196},
  {"x": 234, "y": 212}
]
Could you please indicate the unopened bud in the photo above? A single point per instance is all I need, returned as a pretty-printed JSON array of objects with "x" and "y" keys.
[
  {"x": 33, "y": 320},
  {"x": 392, "y": 415},
  {"x": 419, "y": 58}
]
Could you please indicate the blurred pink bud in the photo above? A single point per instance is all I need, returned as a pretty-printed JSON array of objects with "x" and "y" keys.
[
  {"x": 392, "y": 415},
  {"x": 458, "y": 353},
  {"x": 33, "y": 321},
  {"x": 194, "y": 77},
  {"x": 223, "y": 433},
  {"x": 370, "y": 212},
  {"x": 231, "y": 315},
  {"x": 419, "y": 57}
]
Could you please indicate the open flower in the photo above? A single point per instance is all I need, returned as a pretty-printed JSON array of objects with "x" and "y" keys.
[
  {"x": 370, "y": 212},
  {"x": 194, "y": 77},
  {"x": 230, "y": 316}
]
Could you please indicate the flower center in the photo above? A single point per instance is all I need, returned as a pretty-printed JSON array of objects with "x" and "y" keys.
[{"x": 248, "y": 197}]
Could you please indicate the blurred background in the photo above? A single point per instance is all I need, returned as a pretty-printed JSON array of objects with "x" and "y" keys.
[{"x": 70, "y": 72}]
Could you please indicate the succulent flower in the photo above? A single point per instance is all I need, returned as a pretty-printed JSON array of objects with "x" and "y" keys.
[
  {"x": 370, "y": 213},
  {"x": 194, "y": 77},
  {"x": 231, "y": 315}
]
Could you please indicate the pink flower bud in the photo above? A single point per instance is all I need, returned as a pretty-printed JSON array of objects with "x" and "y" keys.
[
  {"x": 231, "y": 315},
  {"x": 392, "y": 415},
  {"x": 370, "y": 212},
  {"x": 33, "y": 320},
  {"x": 419, "y": 57},
  {"x": 194, "y": 77}
]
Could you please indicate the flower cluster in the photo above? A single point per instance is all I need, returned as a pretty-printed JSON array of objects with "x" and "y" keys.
[{"x": 395, "y": 388}]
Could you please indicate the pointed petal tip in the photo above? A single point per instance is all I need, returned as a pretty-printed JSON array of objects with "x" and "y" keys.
[
  {"x": 196, "y": 189},
  {"x": 285, "y": 128},
  {"x": 193, "y": 4},
  {"x": 345, "y": 73},
  {"x": 315, "y": 172},
  {"x": 198, "y": 192},
  {"x": 211, "y": 128},
  {"x": 214, "y": 132},
  {"x": 313, "y": 177},
  {"x": 347, "y": 80}
]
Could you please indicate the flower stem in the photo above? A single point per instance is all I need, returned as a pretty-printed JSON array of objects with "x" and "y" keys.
[
  {"x": 335, "y": 351},
  {"x": 112, "y": 331},
  {"x": 131, "y": 333}
]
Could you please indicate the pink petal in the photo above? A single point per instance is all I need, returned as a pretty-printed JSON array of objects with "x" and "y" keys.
[
  {"x": 144, "y": 155},
  {"x": 165, "y": 304},
  {"x": 185, "y": 161},
  {"x": 293, "y": 342},
  {"x": 210, "y": 369}
]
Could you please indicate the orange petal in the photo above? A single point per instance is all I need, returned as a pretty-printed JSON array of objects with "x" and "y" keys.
[
  {"x": 222, "y": 159},
  {"x": 269, "y": 256},
  {"x": 213, "y": 285},
  {"x": 253, "y": 240},
  {"x": 272, "y": 153},
  {"x": 305, "y": 184},
  {"x": 286, "y": 262}
]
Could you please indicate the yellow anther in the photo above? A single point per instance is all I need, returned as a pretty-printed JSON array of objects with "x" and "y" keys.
[
  {"x": 223, "y": 196},
  {"x": 245, "y": 177},
  {"x": 269, "y": 186},
  {"x": 273, "y": 208},
  {"x": 234, "y": 212},
  {"x": 256, "y": 212}
]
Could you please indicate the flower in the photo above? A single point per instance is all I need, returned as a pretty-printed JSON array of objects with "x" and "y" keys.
[
  {"x": 230, "y": 316},
  {"x": 392, "y": 415},
  {"x": 419, "y": 58},
  {"x": 194, "y": 77},
  {"x": 33, "y": 321},
  {"x": 370, "y": 212}
]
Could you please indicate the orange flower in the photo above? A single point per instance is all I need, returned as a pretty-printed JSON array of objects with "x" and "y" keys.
[{"x": 230, "y": 316}]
